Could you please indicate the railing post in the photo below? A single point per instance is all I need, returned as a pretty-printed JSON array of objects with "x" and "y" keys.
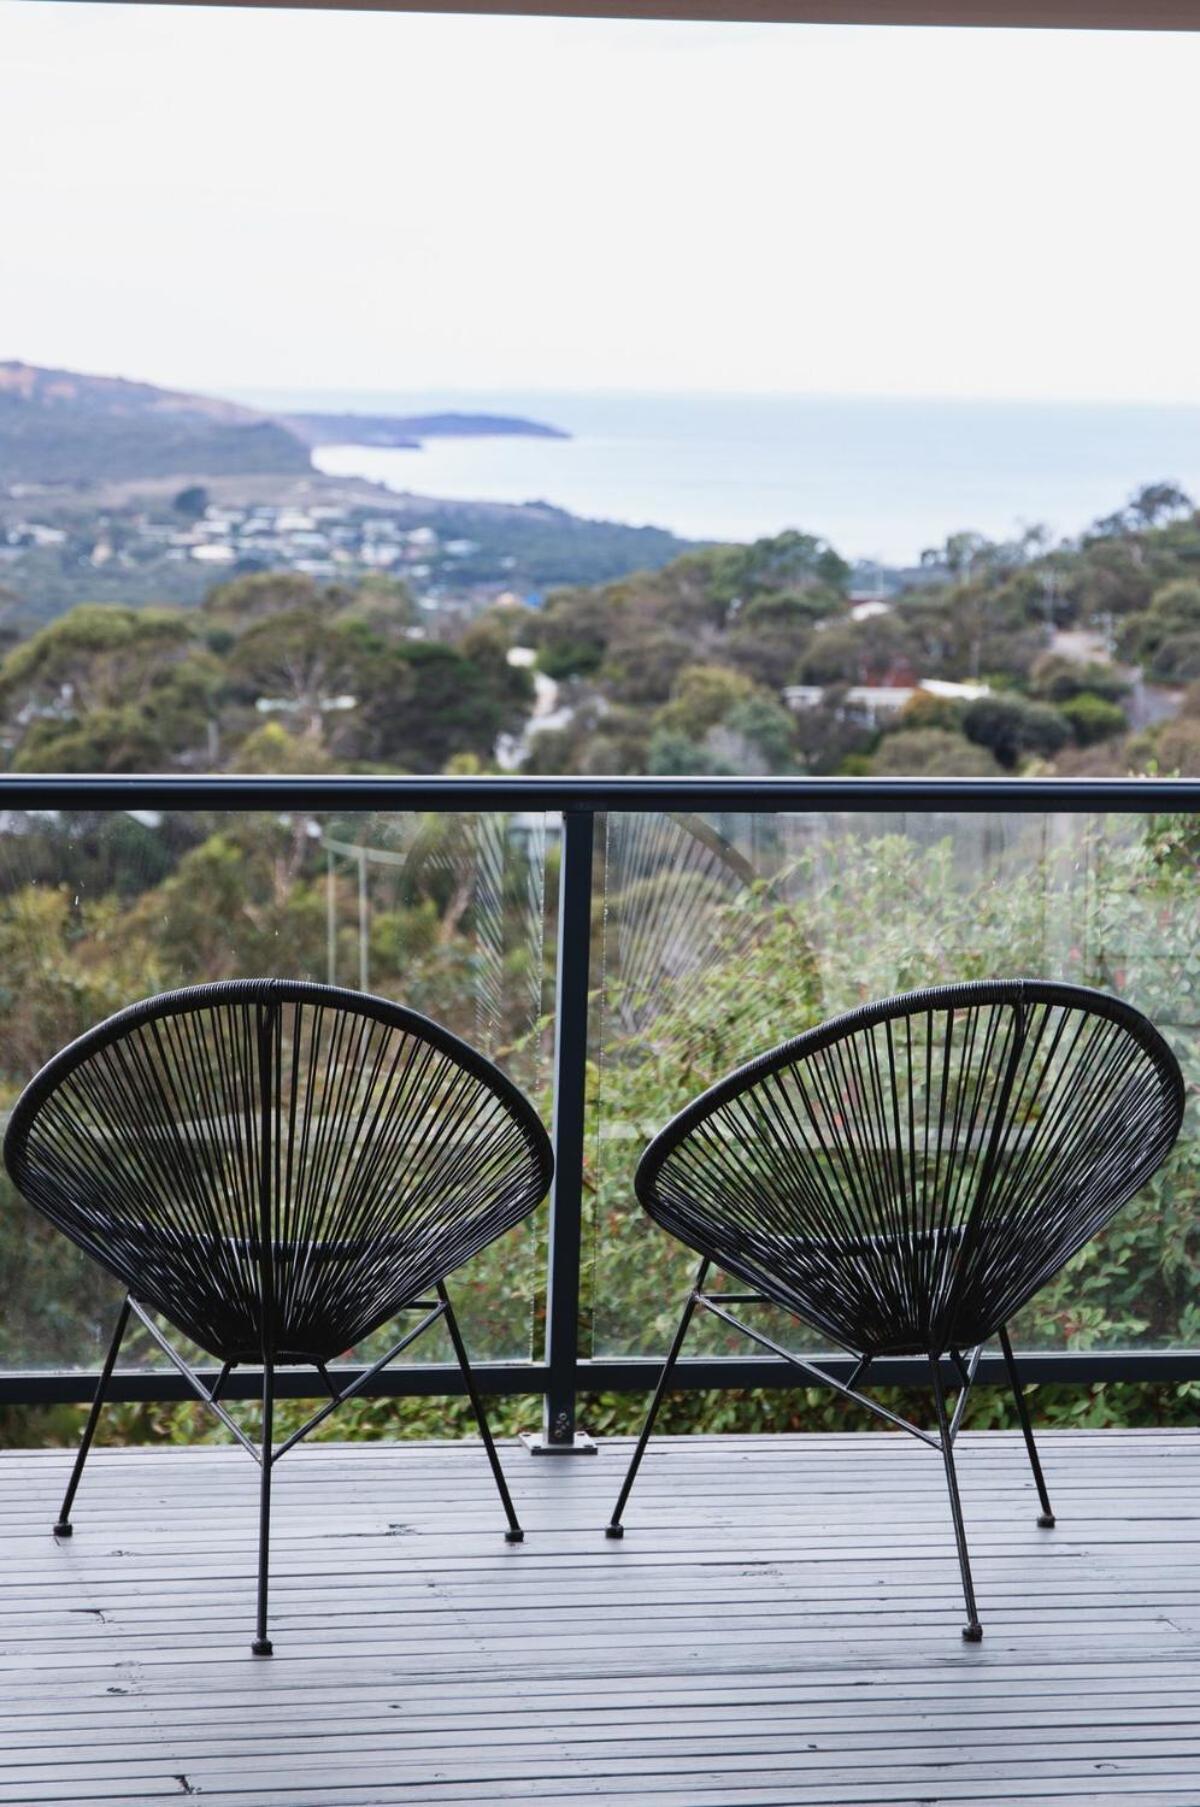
[{"x": 559, "y": 1436}]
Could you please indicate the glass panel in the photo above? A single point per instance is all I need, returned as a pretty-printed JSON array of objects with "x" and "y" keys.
[
  {"x": 724, "y": 935},
  {"x": 443, "y": 913}
]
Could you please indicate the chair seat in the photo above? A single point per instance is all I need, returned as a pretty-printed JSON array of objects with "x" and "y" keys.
[
  {"x": 221, "y": 1311},
  {"x": 814, "y": 1278},
  {"x": 380, "y": 1151}
]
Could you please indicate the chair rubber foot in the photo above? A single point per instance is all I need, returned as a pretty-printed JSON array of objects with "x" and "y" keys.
[
  {"x": 64, "y": 1530},
  {"x": 263, "y": 1647},
  {"x": 514, "y": 1535},
  {"x": 973, "y": 1633},
  {"x": 1046, "y": 1520},
  {"x": 614, "y": 1530}
]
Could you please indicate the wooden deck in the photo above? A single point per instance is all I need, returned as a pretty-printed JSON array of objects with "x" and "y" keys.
[{"x": 780, "y": 1625}]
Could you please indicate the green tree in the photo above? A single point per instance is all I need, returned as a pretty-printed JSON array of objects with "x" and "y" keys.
[
  {"x": 1055, "y": 678},
  {"x": 673, "y": 754},
  {"x": 1166, "y": 637},
  {"x": 931, "y": 753},
  {"x": 244, "y": 600},
  {"x": 309, "y": 670},
  {"x": 769, "y": 634},
  {"x": 1177, "y": 748},
  {"x": 790, "y": 561},
  {"x": 572, "y": 633},
  {"x": 191, "y": 502},
  {"x": 767, "y": 733},
  {"x": 385, "y": 606},
  {"x": 95, "y": 653},
  {"x": 430, "y": 702},
  {"x": 642, "y": 666},
  {"x": 702, "y": 696},
  {"x": 1013, "y": 728},
  {"x": 861, "y": 652},
  {"x": 1093, "y": 718},
  {"x": 103, "y": 689}
]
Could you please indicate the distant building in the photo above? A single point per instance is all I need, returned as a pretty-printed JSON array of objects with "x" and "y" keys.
[
  {"x": 875, "y": 704},
  {"x": 955, "y": 692}
]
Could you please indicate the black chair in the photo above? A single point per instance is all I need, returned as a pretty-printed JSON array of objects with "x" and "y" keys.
[
  {"x": 277, "y": 1169},
  {"x": 905, "y": 1177}
]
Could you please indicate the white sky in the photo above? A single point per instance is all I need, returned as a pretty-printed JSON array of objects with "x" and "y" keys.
[{"x": 386, "y": 202}]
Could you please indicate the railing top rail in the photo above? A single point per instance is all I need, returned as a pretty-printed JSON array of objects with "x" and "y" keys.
[{"x": 231, "y": 792}]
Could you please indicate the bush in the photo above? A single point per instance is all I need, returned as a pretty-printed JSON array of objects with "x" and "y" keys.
[
  {"x": 1013, "y": 728},
  {"x": 1166, "y": 636},
  {"x": 1177, "y": 660},
  {"x": 1177, "y": 748},
  {"x": 1093, "y": 718},
  {"x": 931, "y": 753},
  {"x": 1055, "y": 679}
]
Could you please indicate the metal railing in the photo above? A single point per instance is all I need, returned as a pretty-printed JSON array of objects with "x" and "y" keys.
[{"x": 564, "y": 1373}]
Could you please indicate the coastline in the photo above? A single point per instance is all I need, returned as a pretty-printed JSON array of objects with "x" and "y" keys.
[{"x": 880, "y": 480}]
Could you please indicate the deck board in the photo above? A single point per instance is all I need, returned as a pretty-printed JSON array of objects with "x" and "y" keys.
[{"x": 779, "y": 1628}]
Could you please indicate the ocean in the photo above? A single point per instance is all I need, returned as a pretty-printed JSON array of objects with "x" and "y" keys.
[{"x": 879, "y": 478}]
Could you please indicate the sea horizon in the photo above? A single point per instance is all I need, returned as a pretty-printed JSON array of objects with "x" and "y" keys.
[{"x": 881, "y": 478}]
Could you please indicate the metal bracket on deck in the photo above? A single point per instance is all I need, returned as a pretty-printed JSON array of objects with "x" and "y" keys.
[{"x": 538, "y": 1445}]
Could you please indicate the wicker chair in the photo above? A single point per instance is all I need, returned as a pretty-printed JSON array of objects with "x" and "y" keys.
[
  {"x": 277, "y": 1169},
  {"x": 904, "y": 1178}
]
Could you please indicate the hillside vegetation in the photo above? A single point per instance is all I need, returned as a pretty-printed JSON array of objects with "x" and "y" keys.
[
  {"x": 57, "y": 426},
  {"x": 1081, "y": 658},
  {"x": 273, "y": 673},
  {"x": 62, "y": 426},
  {"x": 755, "y": 659}
]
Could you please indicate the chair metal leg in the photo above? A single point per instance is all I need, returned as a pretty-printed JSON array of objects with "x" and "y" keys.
[
  {"x": 64, "y": 1527},
  {"x": 262, "y": 1645},
  {"x": 972, "y": 1630},
  {"x": 615, "y": 1528},
  {"x": 514, "y": 1534},
  {"x": 1046, "y": 1516}
]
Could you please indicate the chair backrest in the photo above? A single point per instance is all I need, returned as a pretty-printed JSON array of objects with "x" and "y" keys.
[
  {"x": 906, "y": 1176},
  {"x": 276, "y": 1166}
]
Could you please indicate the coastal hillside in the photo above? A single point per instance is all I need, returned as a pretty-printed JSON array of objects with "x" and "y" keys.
[
  {"x": 404, "y": 431},
  {"x": 66, "y": 427},
  {"x": 113, "y": 491},
  {"x": 59, "y": 426}
]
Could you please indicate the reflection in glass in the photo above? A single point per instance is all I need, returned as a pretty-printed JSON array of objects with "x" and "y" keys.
[
  {"x": 97, "y": 909},
  {"x": 725, "y": 936}
]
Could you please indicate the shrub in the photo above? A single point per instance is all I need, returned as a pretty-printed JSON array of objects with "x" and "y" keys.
[
  {"x": 1093, "y": 718},
  {"x": 1013, "y": 728},
  {"x": 932, "y": 753}
]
